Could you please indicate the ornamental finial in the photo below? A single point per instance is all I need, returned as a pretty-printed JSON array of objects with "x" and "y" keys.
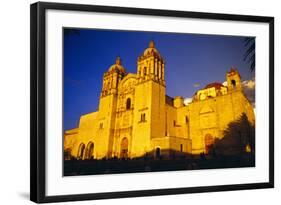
[
  {"x": 118, "y": 61},
  {"x": 151, "y": 44}
]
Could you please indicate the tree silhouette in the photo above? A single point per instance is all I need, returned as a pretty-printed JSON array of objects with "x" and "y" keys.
[
  {"x": 69, "y": 31},
  {"x": 238, "y": 136},
  {"x": 67, "y": 154},
  {"x": 250, "y": 54}
]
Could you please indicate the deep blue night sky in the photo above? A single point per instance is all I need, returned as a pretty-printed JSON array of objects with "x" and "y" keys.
[{"x": 190, "y": 59}]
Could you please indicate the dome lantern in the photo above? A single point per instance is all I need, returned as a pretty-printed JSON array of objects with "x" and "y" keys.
[
  {"x": 117, "y": 66},
  {"x": 151, "y": 44},
  {"x": 151, "y": 50},
  {"x": 118, "y": 61}
]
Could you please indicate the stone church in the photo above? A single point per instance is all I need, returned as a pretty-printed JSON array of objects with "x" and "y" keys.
[{"x": 136, "y": 118}]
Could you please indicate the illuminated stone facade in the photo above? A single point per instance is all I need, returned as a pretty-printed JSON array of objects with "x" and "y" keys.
[{"x": 136, "y": 118}]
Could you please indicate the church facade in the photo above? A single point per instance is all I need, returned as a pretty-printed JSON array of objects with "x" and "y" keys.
[{"x": 136, "y": 118}]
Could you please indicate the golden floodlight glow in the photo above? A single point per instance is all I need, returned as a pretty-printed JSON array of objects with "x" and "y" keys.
[{"x": 136, "y": 118}]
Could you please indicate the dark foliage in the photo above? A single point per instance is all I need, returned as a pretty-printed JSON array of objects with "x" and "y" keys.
[
  {"x": 70, "y": 31},
  {"x": 250, "y": 54},
  {"x": 238, "y": 135}
]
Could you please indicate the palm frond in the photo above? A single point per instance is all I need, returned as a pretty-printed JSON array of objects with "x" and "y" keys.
[{"x": 249, "y": 55}]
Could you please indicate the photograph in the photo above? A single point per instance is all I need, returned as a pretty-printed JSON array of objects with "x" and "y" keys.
[
  {"x": 135, "y": 101},
  {"x": 150, "y": 101}
]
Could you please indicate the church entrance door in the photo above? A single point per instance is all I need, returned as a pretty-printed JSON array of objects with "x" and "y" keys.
[
  {"x": 124, "y": 148},
  {"x": 209, "y": 141},
  {"x": 157, "y": 153}
]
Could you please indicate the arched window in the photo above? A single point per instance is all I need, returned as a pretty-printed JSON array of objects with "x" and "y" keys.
[
  {"x": 89, "y": 151},
  {"x": 144, "y": 70},
  {"x": 81, "y": 149},
  {"x": 128, "y": 104},
  {"x": 233, "y": 83}
]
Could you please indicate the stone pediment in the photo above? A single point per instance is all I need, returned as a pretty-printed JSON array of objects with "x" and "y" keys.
[
  {"x": 206, "y": 109},
  {"x": 131, "y": 77}
]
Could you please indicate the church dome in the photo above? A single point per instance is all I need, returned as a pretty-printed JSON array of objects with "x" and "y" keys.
[
  {"x": 151, "y": 49},
  {"x": 215, "y": 84},
  {"x": 117, "y": 66}
]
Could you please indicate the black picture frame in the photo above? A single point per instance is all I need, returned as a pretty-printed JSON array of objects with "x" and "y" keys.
[{"x": 38, "y": 101}]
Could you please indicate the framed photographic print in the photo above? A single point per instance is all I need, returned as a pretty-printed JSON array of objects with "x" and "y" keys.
[{"x": 129, "y": 102}]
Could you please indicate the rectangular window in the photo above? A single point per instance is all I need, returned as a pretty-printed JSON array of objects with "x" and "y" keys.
[
  {"x": 142, "y": 117},
  {"x": 174, "y": 123},
  {"x": 101, "y": 125},
  {"x": 181, "y": 147}
]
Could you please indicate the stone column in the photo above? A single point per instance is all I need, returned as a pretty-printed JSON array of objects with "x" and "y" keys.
[
  {"x": 163, "y": 71},
  {"x": 156, "y": 68},
  {"x": 160, "y": 70},
  {"x": 141, "y": 72}
]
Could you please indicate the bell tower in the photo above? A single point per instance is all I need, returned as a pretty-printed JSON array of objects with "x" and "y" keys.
[
  {"x": 151, "y": 65},
  {"x": 150, "y": 92},
  {"x": 108, "y": 106},
  {"x": 112, "y": 77},
  {"x": 233, "y": 80}
]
